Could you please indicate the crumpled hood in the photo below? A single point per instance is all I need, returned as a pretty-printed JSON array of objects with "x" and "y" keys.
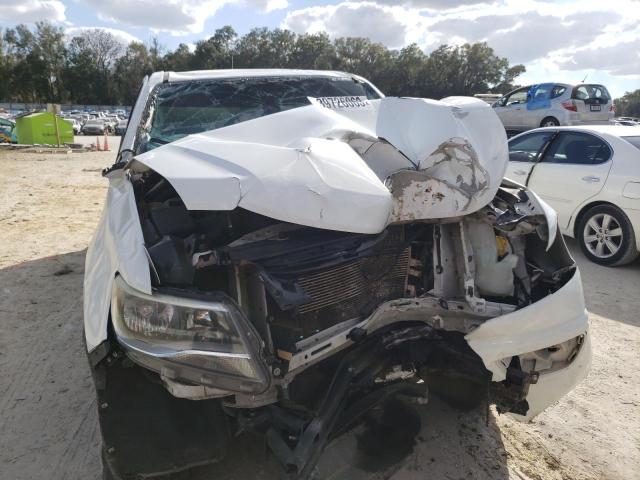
[{"x": 353, "y": 169}]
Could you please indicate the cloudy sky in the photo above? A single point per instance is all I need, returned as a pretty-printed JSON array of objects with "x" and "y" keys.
[{"x": 557, "y": 40}]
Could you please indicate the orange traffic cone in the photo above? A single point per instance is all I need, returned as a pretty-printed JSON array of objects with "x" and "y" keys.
[
  {"x": 98, "y": 144},
  {"x": 106, "y": 144}
]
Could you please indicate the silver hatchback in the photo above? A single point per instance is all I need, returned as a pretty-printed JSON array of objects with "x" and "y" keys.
[{"x": 554, "y": 104}]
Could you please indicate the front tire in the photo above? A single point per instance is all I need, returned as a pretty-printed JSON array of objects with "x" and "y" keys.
[
  {"x": 606, "y": 236},
  {"x": 549, "y": 122}
]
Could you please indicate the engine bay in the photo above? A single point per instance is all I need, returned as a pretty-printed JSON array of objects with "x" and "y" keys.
[{"x": 298, "y": 284}]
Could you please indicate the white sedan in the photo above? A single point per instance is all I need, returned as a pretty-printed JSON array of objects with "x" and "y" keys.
[{"x": 591, "y": 176}]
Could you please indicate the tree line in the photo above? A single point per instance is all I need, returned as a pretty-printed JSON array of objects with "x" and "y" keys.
[
  {"x": 629, "y": 104},
  {"x": 43, "y": 65}
]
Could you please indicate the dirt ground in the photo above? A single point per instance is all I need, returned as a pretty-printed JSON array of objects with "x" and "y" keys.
[{"x": 49, "y": 205}]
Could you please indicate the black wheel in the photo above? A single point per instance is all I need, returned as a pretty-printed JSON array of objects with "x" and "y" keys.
[
  {"x": 549, "y": 122},
  {"x": 606, "y": 236}
]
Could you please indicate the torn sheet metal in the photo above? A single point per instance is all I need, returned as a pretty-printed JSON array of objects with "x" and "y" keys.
[
  {"x": 309, "y": 165},
  {"x": 308, "y": 185},
  {"x": 459, "y": 149},
  {"x": 526, "y": 330}
]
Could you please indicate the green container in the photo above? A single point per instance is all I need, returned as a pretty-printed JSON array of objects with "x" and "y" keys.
[{"x": 40, "y": 128}]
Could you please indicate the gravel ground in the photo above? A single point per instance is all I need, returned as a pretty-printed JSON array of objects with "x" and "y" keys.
[{"x": 49, "y": 205}]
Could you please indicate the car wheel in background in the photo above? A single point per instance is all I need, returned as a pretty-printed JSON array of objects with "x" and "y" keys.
[
  {"x": 606, "y": 236},
  {"x": 549, "y": 122}
]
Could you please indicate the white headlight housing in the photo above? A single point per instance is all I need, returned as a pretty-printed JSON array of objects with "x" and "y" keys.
[{"x": 203, "y": 339}]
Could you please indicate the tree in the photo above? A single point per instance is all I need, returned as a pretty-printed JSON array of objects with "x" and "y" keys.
[
  {"x": 51, "y": 50},
  {"x": 155, "y": 54},
  {"x": 216, "y": 51},
  {"x": 93, "y": 54},
  {"x": 467, "y": 70},
  {"x": 506, "y": 83},
  {"x": 264, "y": 48},
  {"x": 82, "y": 75},
  {"x": 629, "y": 104},
  {"x": 408, "y": 74},
  {"x": 313, "y": 51},
  {"x": 179, "y": 60},
  {"x": 365, "y": 58},
  {"x": 129, "y": 71},
  {"x": 94, "y": 67},
  {"x": 35, "y": 62}
]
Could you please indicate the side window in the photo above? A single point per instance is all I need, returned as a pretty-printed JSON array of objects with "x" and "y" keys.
[
  {"x": 371, "y": 93},
  {"x": 527, "y": 147},
  {"x": 558, "y": 91},
  {"x": 581, "y": 93},
  {"x": 541, "y": 93},
  {"x": 578, "y": 149},
  {"x": 519, "y": 96}
]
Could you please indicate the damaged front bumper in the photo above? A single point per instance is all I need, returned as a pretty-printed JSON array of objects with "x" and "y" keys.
[
  {"x": 520, "y": 349},
  {"x": 540, "y": 329},
  {"x": 389, "y": 353}
]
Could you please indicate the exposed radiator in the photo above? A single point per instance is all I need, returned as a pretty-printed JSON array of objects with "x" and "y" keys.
[
  {"x": 347, "y": 291},
  {"x": 378, "y": 278}
]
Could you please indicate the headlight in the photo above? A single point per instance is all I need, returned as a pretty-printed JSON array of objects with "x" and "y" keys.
[{"x": 205, "y": 340}]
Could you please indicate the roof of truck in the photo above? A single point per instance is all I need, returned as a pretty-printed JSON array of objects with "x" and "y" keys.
[{"x": 249, "y": 72}]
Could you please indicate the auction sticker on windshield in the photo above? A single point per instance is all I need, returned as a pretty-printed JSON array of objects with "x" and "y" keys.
[{"x": 338, "y": 103}]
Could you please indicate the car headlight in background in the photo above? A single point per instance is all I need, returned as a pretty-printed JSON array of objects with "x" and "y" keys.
[{"x": 205, "y": 340}]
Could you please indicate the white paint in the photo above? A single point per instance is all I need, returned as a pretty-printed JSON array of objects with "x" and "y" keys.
[
  {"x": 117, "y": 246},
  {"x": 552, "y": 386},
  {"x": 554, "y": 319},
  {"x": 292, "y": 166}
]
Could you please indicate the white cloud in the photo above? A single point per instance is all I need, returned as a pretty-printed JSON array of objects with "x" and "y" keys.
[
  {"x": 268, "y": 5},
  {"x": 379, "y": 23},
  {"x": 178, "y": 17},
  {"x": 556, "y": 40},
  {"x": 436, "y": 4},
  {"x": 124, "y": 37},
  {"x": 621, "y": 59},
  {"x": 526, "y": 36},
  {"x": 29, "y": 11},
  {"x": 159, "y": 15}
]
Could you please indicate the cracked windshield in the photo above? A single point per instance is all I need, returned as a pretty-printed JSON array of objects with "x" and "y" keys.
[{"x": 184, "y": 108}]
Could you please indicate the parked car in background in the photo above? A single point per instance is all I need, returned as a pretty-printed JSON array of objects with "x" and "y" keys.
[
  {"x": 121, "y": 127},
  {"x": 626, "y": 122},
  {"x": 7, "y": 131},
  {"x": 282, "y": 262},
  {"x": 591, "y": 176},
  {"x": 489, "y": 98},
  {"x": 94, "y": 126},
  {"x": 77, "y": 126},
  {"x": 112, "y": 120},
  {"x": 555, "y": 104}
]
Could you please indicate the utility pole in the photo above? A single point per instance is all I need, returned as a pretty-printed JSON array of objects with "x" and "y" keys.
[{"x": 55, "y": 109}]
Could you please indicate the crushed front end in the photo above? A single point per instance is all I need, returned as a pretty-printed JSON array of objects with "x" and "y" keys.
[{"x": 280, "y": 318}]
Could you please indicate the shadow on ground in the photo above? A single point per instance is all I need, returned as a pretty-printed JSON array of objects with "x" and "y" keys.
[
  {"x": 425, "y": 441},
  {"x": 48, "y": 414}
]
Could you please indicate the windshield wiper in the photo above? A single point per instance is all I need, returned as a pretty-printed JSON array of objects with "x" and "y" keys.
[{"x": 159, "y": 140}]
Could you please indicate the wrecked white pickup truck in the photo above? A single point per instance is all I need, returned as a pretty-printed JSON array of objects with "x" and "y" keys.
[{"x": 280, "y": 250}]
